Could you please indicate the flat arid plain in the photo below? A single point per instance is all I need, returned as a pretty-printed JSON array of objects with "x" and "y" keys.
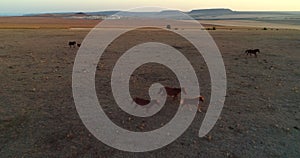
[{"x": 38, "y": 117}]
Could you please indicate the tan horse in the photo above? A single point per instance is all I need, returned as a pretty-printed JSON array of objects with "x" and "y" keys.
[{"x": 190, "y": 101}]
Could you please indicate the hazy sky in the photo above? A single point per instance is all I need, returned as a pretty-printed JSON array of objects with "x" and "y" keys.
[{"x": 37, "y": 6}]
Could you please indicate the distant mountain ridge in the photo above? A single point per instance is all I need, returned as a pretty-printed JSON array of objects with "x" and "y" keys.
[
  {"x": 211, "y": 11},
  {"x": 199, "y": 14},
  {"x": 108, "y": 13}
]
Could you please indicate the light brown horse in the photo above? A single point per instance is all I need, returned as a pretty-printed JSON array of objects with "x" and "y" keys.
[{"x": 191, "y": 101}]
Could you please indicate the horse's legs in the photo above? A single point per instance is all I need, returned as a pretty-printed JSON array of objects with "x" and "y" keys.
[
  {"x": 199, "y": 108},
  {"x": 174, "y": 97}
]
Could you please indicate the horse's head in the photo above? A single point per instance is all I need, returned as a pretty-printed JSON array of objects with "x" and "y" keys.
[
  {"x": 257, "y": 50},
  {"x": 201, "y": 98}
]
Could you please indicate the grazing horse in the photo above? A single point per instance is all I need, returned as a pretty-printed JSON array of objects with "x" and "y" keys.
[
  {"x": 190, "y": 101},
  {"x": 252, "y": 51},
  {"x": 173, "y": 92},
  {"x": 78, "y": 45},
  {"x": 72, "y": 43},
  {"x": 144, "y": 102}
]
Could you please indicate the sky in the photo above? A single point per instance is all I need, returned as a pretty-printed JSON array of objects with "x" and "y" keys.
[{"x": 11, "y": 7}]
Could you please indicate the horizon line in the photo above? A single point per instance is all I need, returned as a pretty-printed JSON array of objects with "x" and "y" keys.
[{"x": 124, "y": 10}]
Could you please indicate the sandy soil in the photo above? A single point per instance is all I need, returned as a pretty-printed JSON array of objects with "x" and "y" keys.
[
  {"x": 44, "y": 23},
  {"x": 260, "y": 118},
  {"x": 253, "y": 24}
]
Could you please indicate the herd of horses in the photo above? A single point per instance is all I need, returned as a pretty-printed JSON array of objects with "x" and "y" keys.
[
  {"x": 173, "y": 93},
  {"x": 74, "y": 44},
  {"x": 170, "y": 91}
]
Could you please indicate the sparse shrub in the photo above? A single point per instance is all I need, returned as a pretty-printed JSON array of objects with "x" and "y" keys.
[
  {"x": 213, "y": 28},
  {"x": 168, "y": 26},
  {"x": 265, "y": 28}
]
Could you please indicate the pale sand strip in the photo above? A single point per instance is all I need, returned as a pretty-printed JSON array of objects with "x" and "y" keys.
[{"x": 249, "y": 23}]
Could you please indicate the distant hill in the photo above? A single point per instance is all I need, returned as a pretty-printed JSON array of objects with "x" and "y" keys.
[
  {"x": 103, "y": 13},
  {"x": 211, "y": 12},
  {"x": 78, "y": 14}
]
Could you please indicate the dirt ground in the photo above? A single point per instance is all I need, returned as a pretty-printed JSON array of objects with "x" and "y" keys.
[{"x": 261, "y": 116}]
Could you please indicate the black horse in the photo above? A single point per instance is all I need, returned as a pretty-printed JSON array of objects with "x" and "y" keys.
[
  {"x": 252, "y": 51},
  {"x": 72, "y": 43}
]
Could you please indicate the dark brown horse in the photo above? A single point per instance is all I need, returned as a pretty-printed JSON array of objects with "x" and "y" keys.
[
  {"x": 173, "y": 92},
  {"x": 252, "y": 51},
  {"x": 144, "y": 102}
]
